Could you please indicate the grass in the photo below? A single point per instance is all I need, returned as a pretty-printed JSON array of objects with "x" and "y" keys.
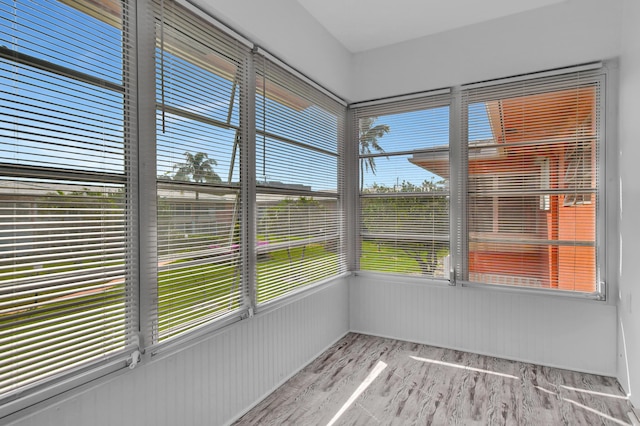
[
  {"x": 188, "y": 295},
  {"x": 303, "y": 266},
  {"x": 382, "y": 258}
]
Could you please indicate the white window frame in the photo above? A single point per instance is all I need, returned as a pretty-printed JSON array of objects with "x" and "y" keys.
[{"x": 599, "y": 73}]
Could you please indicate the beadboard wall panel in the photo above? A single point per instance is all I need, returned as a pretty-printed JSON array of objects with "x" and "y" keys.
[
  {"x": 214, "y": 381},
  {"x": 559, "y": 332}
]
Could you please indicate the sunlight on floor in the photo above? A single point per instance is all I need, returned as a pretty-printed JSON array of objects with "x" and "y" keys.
[
  {"x": 577, "y": 404},
  {"x": 609, "y": 395},
  {"x": 463, "y": 367},
  {"x": 380, "y": 366}
]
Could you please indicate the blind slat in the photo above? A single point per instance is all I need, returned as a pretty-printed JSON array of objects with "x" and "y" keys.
[
  {"x": 65, "y": 236},
  {"x": 532, "y": 188},
  {"x": 404, "y": 186},
  {"x": 299, "y": 138},
  {"x": 199, "y": 70}
]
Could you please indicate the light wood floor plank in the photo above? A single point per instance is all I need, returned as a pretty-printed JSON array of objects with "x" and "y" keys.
[{"x": 426, "y": 385}]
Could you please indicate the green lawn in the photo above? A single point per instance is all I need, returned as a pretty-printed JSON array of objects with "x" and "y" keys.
[
  {"x": 190, "y": 295},
  {"x": 383, "y": 258}
]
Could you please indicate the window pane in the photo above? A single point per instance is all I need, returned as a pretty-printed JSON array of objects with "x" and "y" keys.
[
  {"x": 198, "y": 84},
  {"x": 404, "y": 188},
  {"x": 311, "y": 170},
  {"x": 83, "y": 36},
  {"x": 48, "y": 120},
  {"x": 198, "y": 147},
  {"x": 405, "y": 235},
  {"x": 66, "y": 295},
  {"x": 285, "y": 107},
  {"x": 531, "y": 190},
  {"x": 299, "y": 133},
  {"x": 298, "y": 243},
  {"x": 191, "y": 151},
  {"x": 198, "y": 256}
]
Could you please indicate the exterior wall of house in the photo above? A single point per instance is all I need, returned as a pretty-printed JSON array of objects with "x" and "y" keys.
[{"x": 629, "y": 144}]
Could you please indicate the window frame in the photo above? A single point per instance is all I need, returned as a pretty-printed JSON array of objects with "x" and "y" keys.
[
  {"x": 140, "y": 122},
  {"x": 397, "y": 106},
  {"x": 70, "y": 378},
  {"x": 593, "y": 73},
  {"x": 597, "y": 72}
]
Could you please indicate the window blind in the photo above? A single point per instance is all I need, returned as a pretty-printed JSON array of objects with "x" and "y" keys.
[
  {"x": 199, "y": 97},
  {"x": 66, "y": 291},
  {"x": 532, "y": 152},
  {"x": 404, "y": 186},
  {"x": 299, "y": 139}
]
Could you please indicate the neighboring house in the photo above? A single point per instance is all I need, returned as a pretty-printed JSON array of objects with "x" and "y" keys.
[{"x": 531, "y": 191}]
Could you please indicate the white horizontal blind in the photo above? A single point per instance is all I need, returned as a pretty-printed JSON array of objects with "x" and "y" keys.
[
  {"x": 299, "y": 137},
  {"x": 532, "y": 150},
  {"x": 198, "y": 74},
  {"x": 404, "y": 186},
  {"x": 66, "y": 295}
]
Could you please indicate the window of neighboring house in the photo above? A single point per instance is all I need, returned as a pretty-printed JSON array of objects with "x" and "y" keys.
[
  {"x": 404, "y": 187},
  {"x": 491, "y": 211},
  {"x": 200, "y": 86},
  {"x": 532, "y": 150},
  {"x": 66, "y": 252},
  {"x": 299, "y": 143}
]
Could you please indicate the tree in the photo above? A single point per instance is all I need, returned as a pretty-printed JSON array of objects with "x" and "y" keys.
[
  {"x": 197, "y": 168},
  {"x": 415, "y": 218},
  {"x": 368, "y": 139}
]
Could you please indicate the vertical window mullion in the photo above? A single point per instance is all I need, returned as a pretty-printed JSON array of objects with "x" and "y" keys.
[
  {"x": 248, "y": 182},
  {"x": 146, "y": 170},
  {"x": 458, "y": 161}
]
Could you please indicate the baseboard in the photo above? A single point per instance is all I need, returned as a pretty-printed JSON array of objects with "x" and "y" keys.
[{"x": 461, "y": 349}]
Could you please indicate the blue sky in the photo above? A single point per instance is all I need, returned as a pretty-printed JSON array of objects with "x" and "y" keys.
[
  {"x": 415, "y": 131},
  {"x": 65, "y": 122}
]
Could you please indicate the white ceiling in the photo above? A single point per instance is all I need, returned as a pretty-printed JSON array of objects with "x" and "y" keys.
[{"x": 368, "y": 24}]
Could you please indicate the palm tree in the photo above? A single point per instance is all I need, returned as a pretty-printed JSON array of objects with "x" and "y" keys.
[
  {"x": 368, "y": 136},
  {"x": 197, "y": 168}
]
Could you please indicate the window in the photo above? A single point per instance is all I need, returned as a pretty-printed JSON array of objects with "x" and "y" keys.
[
  {"x": 299, "y": 137},
  {"x": 532, "y": 150},
  {"x": 246, "y": 192},
  {"x": 404, "y": 187},
  {"x": 66, "y": 234},
  {"x": 199, "y": 91}
]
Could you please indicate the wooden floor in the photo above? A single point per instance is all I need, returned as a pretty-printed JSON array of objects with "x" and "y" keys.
[{"x": 365, "y": 380}]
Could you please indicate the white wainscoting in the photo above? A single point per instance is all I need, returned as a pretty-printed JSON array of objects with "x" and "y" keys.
[
  {"x": 553, "y": 331},
  {"x": 216, "y": 380}
]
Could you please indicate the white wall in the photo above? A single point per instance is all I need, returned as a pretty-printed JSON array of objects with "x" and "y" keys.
[
  {"x": 215, "y": 381},
  {"x": 568, "y": 33},
  {"x": 549, "y": 330},
  {"x": 287, "y": 30},
  {"x": 629, "y": 143}
]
